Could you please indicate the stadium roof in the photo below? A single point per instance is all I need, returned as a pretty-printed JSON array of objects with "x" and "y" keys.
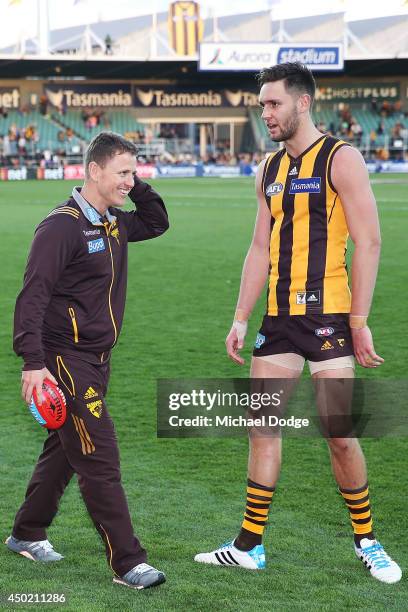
[
  {"x": 146, "y": 37},
  {"x": 141, "y": 49}
]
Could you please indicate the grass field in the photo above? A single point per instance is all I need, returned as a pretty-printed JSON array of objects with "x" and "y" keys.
[{"x": 187, "y": 496}]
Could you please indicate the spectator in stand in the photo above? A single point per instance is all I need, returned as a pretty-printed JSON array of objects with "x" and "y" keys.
[
  {"x": 344, "y": 112},
  {"x": 332, "y": 128},
  {"x": 21, "y": 144},
  {"x": 381, "y": 128},
  {"x": 404, "y": 132},
  {"x": 6, "y": 146},
  {"x": 29, "y": 133},
  {"x": 105, "y": 122},
  {"x": 386, "y": 108},
  {"x": 13, "y": 134},
  {"x": 398, "y": 107},
  {"x": 382, "y": 154},
  {"x": 396, "y": 130},
  {"x": 356, "y": 131},
  {"x": 43, "y": 105},
  {"x": 108, "y": 45}
]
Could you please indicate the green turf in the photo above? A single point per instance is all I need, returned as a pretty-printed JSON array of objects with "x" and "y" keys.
[{"x": 187, "y": 496}]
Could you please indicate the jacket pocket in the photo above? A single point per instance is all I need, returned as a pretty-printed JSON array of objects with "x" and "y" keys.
[{"x": 74, "y": 324}]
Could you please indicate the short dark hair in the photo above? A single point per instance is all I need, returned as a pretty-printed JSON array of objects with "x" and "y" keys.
[
  {"x": 106, "y": 145},
  {"x": 295, "y": 75}
]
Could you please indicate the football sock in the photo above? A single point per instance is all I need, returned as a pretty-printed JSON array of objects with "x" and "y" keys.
[
  {"x": 259, "y": 499},
  {"x": 358, "y": 503}
]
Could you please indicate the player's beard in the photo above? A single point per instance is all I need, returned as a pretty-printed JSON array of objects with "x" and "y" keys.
[{"x": 289, "y": 128}]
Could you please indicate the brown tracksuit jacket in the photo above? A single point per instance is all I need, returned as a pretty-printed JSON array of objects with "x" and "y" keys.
[{"x": 74, "y": 291}]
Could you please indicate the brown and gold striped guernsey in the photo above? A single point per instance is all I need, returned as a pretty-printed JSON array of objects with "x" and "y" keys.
[{"x": 308, "y": 233}]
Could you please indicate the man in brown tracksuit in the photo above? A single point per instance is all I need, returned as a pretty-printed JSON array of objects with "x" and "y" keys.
[{"x": 67, "y": 319}]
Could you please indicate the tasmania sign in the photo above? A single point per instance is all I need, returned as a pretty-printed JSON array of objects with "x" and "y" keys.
[
  {"x": 164, "y": 97},
  {"x": 76, "y": 95}
]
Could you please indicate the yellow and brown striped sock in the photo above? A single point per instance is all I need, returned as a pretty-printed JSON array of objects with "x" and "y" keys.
[
  {"x": 358, "y": 503},
  {"x": 259, "y": 499}
]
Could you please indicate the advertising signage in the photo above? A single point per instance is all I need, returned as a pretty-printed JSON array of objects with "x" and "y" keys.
[
  {"x": 77, "y": 95},
  {"x": 174, "y": 97},
  {"x": 352, "y": 92},
  {"x": 254, "y": 56},
  {"x": 9, "y": 97}
]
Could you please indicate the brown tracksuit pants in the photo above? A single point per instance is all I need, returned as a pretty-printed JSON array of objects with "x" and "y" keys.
[{"x": 85, "y": 445}]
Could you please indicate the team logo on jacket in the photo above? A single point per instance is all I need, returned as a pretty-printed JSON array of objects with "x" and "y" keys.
[
  {"x": 305, "y": 185},
  {"x": 273, "y": 189},
  {"x": 115, "y": 234},
  {"x": 95, "y": 408},
  {"x": 324, "y": 331},
  {"x": 260, "y": 339},
  {"x": 94, "y": 246}
]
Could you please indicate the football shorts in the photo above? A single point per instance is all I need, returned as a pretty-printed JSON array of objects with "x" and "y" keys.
[{"x": 315, "y": 338}]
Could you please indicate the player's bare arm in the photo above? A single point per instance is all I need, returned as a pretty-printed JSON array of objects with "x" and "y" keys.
[
  {"x": 350, "y": 178},
  {"x": 254, "y": 273}
]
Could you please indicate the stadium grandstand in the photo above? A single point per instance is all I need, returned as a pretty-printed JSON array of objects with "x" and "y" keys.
[{"x": 139, "y": 77}]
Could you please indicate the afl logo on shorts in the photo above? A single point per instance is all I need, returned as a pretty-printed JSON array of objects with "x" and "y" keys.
[
  {"x": 273, "y": 189},
  {"x": 324, "y": 331},
  {"x": 260, "y": 339}
]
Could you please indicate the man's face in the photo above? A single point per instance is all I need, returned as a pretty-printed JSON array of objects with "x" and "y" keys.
[
  {"x": 280, "y": 110},
  {"x": 114, "y": 179}
]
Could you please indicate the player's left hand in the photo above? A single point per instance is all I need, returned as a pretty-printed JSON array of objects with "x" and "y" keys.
[
  {"x": 235, "y": 341},
  {"x": 364, "y": 348}
]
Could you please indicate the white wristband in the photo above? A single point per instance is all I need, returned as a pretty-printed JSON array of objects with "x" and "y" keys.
[{"x": 241, "y": 328}]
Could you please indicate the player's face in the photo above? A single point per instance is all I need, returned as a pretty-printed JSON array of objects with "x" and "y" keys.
[
  {"x": 279, "y": 111},
  {"x": 115, "y": 178}
]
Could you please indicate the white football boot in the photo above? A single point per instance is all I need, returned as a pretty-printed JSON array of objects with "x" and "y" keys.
[
  {"x": 374, "y": 557},
  {"x": 231, "y": 556}
]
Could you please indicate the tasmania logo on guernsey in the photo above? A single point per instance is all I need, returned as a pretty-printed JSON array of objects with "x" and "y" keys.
[{"x": 305, "y": 185}]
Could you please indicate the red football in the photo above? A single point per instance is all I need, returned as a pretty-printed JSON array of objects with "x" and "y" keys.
[{"x": 52, "y": 413}]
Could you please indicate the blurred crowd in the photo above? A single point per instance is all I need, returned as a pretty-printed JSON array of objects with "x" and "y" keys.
[
  {"x": 169, "y": 143},
  {"x": 93, "y": 118},
  {"x": 18, "y": 140},
  {"x": 382, "y": 143}
]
